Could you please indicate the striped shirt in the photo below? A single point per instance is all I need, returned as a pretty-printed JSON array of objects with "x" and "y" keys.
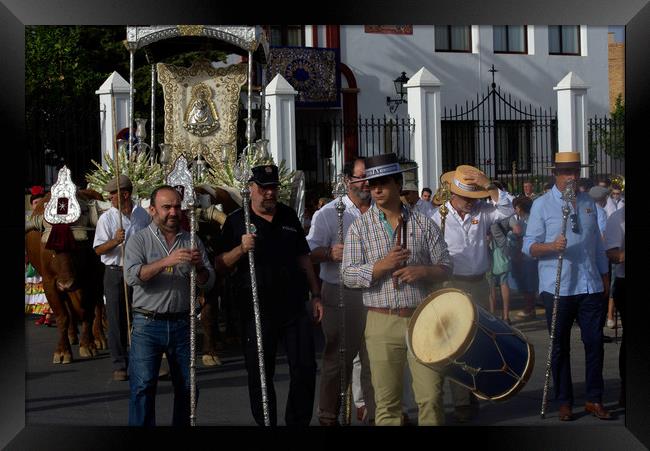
[{"x": 369, "y": 240}]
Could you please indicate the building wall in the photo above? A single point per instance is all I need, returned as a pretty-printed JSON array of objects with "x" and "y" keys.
[
  {"x": 377, "y": 59},
  {"x": 616, "y": 70}
]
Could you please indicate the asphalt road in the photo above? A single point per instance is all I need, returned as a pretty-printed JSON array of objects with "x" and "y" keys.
[{"x": 83, "y": 392}]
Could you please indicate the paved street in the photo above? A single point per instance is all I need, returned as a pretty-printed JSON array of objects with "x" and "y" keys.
[{"x": 83, "y": 393}]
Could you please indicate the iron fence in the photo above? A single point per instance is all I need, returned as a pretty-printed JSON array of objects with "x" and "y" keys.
[
  {"x": 325, "y": 142},
  {"x": 70, "y": 136}
]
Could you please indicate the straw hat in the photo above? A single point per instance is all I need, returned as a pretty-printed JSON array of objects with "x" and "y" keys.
[
  {"x": 568, "y": 160},
  {"x": 459, "y": 185}
]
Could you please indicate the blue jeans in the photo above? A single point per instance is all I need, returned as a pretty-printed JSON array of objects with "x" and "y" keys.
[
  {"x": 587, "y": 310},
  {"x": 149, "y": 340}
]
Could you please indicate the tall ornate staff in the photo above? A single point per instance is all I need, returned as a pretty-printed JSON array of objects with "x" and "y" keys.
[
  {"x": 118, "y": 145},
  {"x": 345, "y": 394},
  {"x": 181, "y": 178},
  {"x": 242, "y": 173},
  {"x": 569, "y": 197}
]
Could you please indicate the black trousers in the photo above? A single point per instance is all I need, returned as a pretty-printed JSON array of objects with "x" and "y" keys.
[
  {"x": 116, "y": 316},
  {"x": 297, "y": 338},
  {"x": 619, "y": 302}
]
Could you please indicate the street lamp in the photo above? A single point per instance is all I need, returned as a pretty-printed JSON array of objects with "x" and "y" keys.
[{"x": 399, "y": 82}]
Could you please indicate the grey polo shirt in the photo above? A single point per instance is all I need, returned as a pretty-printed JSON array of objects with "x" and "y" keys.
[{"x": 167, "y": 291}]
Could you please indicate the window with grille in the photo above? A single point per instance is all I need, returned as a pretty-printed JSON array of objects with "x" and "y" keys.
[
  {"x": 459, "y": 143},
  {"x": 513, "y": 144}
]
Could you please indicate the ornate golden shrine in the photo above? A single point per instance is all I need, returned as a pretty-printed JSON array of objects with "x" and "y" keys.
[{"x": 201, "y": 107}]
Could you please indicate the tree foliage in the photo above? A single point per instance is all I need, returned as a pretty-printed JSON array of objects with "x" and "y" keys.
[{"x": 609, "y": 135}]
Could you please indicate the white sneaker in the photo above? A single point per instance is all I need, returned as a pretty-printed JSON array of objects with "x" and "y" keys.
[{"x": 610, "y": 323}]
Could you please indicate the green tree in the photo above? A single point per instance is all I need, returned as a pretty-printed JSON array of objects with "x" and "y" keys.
[
  {"x": 609, "y": 135},
  {"x": 65, "y": 65}
]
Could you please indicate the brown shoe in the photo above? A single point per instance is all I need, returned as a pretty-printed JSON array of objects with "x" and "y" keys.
[
  {"x": 565, "y": 413},
  {"x": 362, "y": 413},
  {"x": 328, "y": 422},
  {"x": 120, "y": 375},
  {"x": 598, "y": 410}
]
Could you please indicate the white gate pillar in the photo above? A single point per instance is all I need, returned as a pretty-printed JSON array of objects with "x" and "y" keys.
[
  {"x": 281, "y": 121},
  {"x": 118, "y": 87},
  {"x": 424, "y": 108},
  {"x": 572, "y": 117}
]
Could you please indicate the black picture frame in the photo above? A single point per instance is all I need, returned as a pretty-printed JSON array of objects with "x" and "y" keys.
[{"x": 15, "y": 14}]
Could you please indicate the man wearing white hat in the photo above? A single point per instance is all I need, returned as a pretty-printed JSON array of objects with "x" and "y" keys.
[{"x": 466, "y": 228}]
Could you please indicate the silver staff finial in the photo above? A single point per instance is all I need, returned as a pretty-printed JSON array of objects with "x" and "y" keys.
[
  {"x": 181, "y": 178},
  {"x": 340, "y": 189}
]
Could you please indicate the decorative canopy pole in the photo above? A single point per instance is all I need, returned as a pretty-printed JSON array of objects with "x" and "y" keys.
[{"x": 181, "y": 178}]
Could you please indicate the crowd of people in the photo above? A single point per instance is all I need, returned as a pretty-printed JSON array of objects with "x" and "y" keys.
[{"x": 398, "y": 245}]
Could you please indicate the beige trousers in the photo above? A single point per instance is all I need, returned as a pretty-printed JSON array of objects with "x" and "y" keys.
[{"x": 388, "y": 353}]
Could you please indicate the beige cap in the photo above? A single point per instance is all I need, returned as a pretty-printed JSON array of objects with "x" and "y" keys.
[{"x": 125, "y": 184}]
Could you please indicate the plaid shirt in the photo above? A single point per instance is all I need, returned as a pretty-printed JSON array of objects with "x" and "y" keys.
[{"x": 368, "y": 241}]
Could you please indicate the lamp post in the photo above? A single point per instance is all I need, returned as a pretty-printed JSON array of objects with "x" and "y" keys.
[{"x": 399, "y": 83}]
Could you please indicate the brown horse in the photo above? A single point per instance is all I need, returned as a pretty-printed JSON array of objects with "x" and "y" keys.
[{"x": 72, "y": 281}]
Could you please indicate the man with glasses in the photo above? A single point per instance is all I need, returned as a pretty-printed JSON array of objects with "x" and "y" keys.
[
  {"x": 583, "y": 282},
  {"x": 285, "y": 277},
  {"x": 328, "y": 252},
  {"x": 615, "y": 201}
]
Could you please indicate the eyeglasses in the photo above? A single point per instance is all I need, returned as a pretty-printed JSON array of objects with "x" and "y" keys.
[{"x": 575, "y": 228}]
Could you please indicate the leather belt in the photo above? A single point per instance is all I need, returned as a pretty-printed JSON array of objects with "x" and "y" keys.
[
  {"x": 403, "y": 312},
  {"x": 114, "y": 267},
  {"x": 158, "y": 315},
  {"x": 474, "y": 278}
]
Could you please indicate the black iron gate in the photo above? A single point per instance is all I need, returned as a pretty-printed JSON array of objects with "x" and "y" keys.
[
  {"x": 509, "y": 141},
  {"x": 324, "y": 140}
]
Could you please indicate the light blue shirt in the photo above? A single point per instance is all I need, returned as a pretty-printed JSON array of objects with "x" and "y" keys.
[
  {"x": 602, "y": 218},
  {"x": 584, "y": 256}
]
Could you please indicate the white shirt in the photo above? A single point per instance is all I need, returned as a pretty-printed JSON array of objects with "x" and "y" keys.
[
  {"x": 108, "y": 224},
  {"x": 425, "y": 207},
  {"x": 615, "y": 237},
  {"x": 466, "y": 238},
  {"x": 324, "y": 232},
  {"x": 611, "y": 206}
]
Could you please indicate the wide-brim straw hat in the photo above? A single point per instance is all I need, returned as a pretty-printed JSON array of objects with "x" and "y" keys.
[
  {"x": 458, "y": 183},
  {"x": 383, "y": 165},
  {"x": 568, "y": 160}
]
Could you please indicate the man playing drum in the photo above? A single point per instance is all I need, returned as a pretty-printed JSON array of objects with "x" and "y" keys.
[
  {"x": 466, "y": 229},
  {"x": 392, "y": 253}
]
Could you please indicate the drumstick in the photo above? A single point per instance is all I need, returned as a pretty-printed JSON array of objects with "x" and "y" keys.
[{"x": 400, "y": 224}]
